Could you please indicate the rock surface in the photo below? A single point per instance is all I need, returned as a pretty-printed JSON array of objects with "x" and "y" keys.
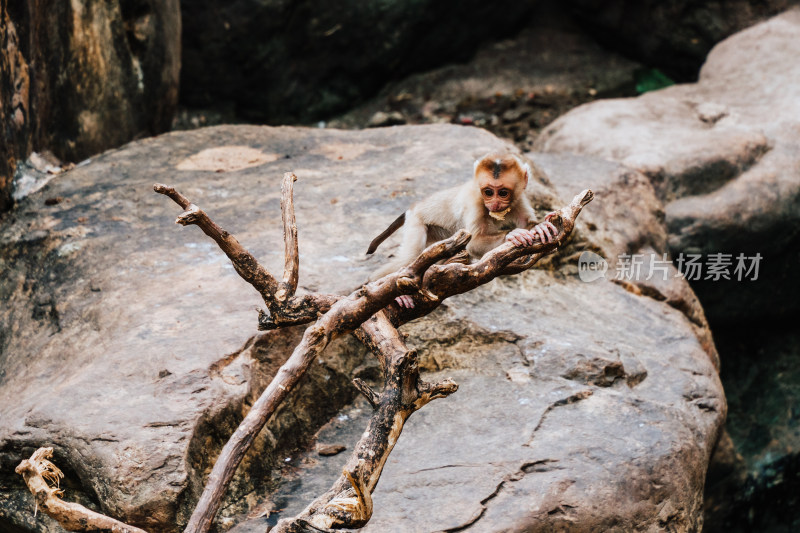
[
  {"x": 79, "y": 77},
  {"x": 676, "y": 34},
  {"x": 724, "y": 155},
  {"x": 129, "y": 344},
  {"x": 302, "y": 61}
]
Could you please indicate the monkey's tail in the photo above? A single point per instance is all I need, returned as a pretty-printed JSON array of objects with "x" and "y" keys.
[{"x": 399, "y": 221}]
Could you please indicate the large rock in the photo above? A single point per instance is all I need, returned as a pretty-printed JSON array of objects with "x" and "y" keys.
[
  {"x": 724, "y": 156},
  {"x": 676, "y": 34},
  {"x": 129, "y": 344},
  {"x": 300, "y": 60},
  {"x": 79, "y": 77}
]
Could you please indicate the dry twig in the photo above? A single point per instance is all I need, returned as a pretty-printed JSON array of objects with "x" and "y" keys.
[{"x": 37, "y": 472}]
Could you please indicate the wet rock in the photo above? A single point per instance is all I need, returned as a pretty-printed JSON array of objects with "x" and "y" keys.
[
  {"x": 754, "y": 479},
  {"x": 723, "y": 156},
  {"x": 80, "y": 77},
  {"x": 676, "y": 35},
  {"x": 302, "y": 61}
]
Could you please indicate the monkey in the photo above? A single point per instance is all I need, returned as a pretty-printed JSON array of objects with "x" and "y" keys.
[{"x": 492, "y": 206}]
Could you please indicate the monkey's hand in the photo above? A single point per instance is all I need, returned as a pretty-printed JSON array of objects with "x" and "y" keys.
[
  {"x": 521, "y": 237},
  {"x": 545, "y": 232},
  {"x": 405, "y": 301}
]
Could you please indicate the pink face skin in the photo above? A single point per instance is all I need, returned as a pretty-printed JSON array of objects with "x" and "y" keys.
[
  {"x": 496, "y": 197},
  {"x": 497, "y": 194}
]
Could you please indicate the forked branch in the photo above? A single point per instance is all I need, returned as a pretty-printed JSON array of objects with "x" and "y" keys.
[
  {"x": 285, "y": 309},
  {"x": 343, "y": 317},
  {"x": 348, "y": 504}
]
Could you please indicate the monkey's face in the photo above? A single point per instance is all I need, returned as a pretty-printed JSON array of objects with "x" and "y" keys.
[
  {"x": 500, "y": 179},
  {"x": 498, "y": 194}
]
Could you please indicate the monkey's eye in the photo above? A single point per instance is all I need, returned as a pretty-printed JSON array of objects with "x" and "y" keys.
[
  {"x": 488, "y": 192},
  {"x": 503, "y": 193}
]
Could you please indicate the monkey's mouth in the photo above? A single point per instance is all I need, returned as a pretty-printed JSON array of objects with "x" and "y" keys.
[{"x": 500, "y": 215}]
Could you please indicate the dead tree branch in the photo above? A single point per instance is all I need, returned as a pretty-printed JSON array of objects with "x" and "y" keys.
[
  {"x": 343, "y": 317},
  {"x": 285, "y": 308},
  {"x": 37, "y": 472},
  {"x": 291, "y": 269},
  {"x": 443, "y": 281},
  {"x": 348, "y": 504}
]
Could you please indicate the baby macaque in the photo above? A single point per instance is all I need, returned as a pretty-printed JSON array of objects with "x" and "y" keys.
[{"x": 492, "y": 207}]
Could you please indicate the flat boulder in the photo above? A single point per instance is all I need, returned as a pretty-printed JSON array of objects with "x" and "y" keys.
[{"x": 129, "y": 344}]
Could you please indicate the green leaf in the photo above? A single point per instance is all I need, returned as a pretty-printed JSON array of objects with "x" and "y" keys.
[{"x": 651, "y": 79}]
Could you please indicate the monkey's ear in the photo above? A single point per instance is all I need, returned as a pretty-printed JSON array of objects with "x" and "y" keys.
[{"x": 526, "y": 168}]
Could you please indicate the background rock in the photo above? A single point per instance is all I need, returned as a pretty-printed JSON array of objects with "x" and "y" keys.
[
  {"x": 300, "y": 61},
  {"x": 754, "y": 482},
  {"x": 79, "y": 77},
  {"x": 129, "y": 345},
  {"x": 723, "y": 155},
  {"x": 675, "y": 35}
]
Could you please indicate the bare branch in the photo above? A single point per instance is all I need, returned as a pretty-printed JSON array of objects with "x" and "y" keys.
[
  {"x": 243, "y": 261},
  {"x": 343, "y": 317},
  {"x": 371, "y": 396},
  {"x": 291, "y": 256},
  {"x": 37, "y": 471},
  {"x": 348, "y": 504},
  {"x": 285, "y": 309},
  {"x": 450, "y": 279}
]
